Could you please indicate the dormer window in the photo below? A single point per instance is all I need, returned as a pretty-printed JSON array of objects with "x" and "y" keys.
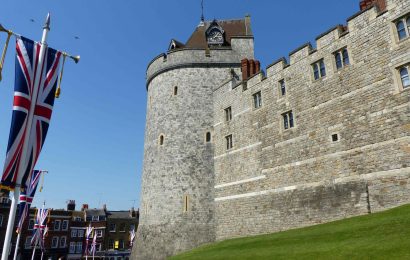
[
  {"x": 215, "y": 34},
  {"x": 174, "y": 44}
]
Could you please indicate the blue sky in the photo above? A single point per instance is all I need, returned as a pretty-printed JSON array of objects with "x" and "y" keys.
[{"x": 94, "y": 148}]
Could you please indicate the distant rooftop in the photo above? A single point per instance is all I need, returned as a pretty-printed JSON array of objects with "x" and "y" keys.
[{"x": 119, "y": 214}]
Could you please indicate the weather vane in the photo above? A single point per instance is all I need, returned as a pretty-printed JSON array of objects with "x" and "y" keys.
[{"x": 202, "y": 11}]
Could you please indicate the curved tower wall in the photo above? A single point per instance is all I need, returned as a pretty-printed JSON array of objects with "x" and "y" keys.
[{"x": 182, "y": 167}]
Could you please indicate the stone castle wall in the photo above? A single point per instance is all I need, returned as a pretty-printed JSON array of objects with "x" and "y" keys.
[{"x": 275, "y": 179}]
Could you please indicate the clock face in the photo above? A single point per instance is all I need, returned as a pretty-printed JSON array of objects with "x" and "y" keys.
[{"x": 215, "y": 37}]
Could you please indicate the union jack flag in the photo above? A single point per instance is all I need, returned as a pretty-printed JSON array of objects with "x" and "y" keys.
[
  {"x": 27, "y": 57},
  {"x": 94, "y": 244},
  {"x": 40, "y": 228},
  {"x": 26, "y": 198},
  {"x": 88, "y": 233},
  {"x": 132, "y": 237}
]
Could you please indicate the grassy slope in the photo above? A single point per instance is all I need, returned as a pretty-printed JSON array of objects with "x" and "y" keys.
[{"x": 384, "y": 235}]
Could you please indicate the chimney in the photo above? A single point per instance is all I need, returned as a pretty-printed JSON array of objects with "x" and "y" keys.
[
  {"x": 380, "y": 4},
  {"x": 132, "y": 212},
  {"x": 105, "y": 207},
  {"x": 251, "y": 68},
  {"x": 84, "y": 207},
  {"x": 71, "y": 205},
  {"x": 257, "y": 67},
  {"x": 245, "y": 69},
  {"x": 248, "y": 25}
]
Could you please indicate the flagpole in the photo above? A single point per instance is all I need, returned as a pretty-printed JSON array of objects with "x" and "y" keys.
[
  {"x": 24, "y": 151},
  {"x": 34, "y": 251},
  {"x": 17, "y": 246}
]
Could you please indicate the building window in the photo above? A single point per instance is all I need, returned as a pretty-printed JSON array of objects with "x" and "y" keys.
[
  {"x": 186, "y": 203},
  {"x": 95, "y": 218},
  {"x": 31, "y": 224},
  {"x": 404, "y": 76},
  {"x": 342, "y": 58},
  {"x": 288, "y": 120},
  {"x": 63, "y": 240},
  {"x": 111, "y": 244},
  {"x": 27, "y": 243},
  {"x": 80, "y": 233},
  {"x": 257, "y": 99},
  {"x": 319, "y": 69},
  {"x": 73, "y": 232},
  {"x": 229, "y": 142},
  {"x": 161, "y": 139},
  {"x": 112, "y": 227},
  {"x": 228, "y": 114},
  {"x": 79, "y": 247},
  {"x": 72, "y": 247},
  {"x": 78, "y": 219},
  {"x": 175, "y": 90},
  {"x": 122, "y": 227},
  {"x": 122, "y": 244},
  {"x": 208, "y": 137},
  {"x": 99, "y": 233},
  {"x": 403, "y": 27},
  {"x": 335, "y": 137},
  {"x": 1, "y": 220},
  {"x": 57, "y": 224},
  {"x": 54, "y": 242},
  {"x": 64, "y": 226},
  {"x": 282, "y": 87}
]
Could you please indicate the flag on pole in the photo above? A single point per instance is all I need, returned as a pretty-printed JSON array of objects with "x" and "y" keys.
[
  {"x": 88, "y": 233},
  {"x": 27, "y": 59},
  {"x": 132, "y": 236},
  {"x": 39, "y": 227},
  {"x": 26, "y": 198},
  {"x": 94, "y": 244},
  {"x": 42, "y": 244}
]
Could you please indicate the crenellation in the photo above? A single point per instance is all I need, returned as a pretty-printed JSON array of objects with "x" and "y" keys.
[
  {"x": 329, "y": 36},
  {"x": 255, "y": 79},
  {"x": 276, "y": 67},
  {"x": 300, "y": 53}
]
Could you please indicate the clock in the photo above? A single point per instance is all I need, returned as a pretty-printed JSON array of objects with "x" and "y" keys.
[
  {"x": 215, "y": 34},
  {"x": 215, "y": 37}
]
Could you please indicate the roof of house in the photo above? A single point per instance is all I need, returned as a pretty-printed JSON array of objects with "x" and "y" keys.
[
  {"x": 95, "y": 212},
  {"x": 232, "y": 28},
  {"x": 123, "y": 214}
]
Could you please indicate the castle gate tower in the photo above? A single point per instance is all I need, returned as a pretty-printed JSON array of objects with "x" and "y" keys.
[{"x": 177, "y": 205}]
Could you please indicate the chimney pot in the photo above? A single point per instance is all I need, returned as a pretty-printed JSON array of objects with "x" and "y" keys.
[{"x": 245, "y": 69}]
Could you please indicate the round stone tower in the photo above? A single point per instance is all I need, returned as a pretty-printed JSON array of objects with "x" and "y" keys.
[{"x": 177, "y": 201}]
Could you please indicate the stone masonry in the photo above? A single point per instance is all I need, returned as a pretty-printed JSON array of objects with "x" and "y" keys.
[{"x": 347, "y": 154}]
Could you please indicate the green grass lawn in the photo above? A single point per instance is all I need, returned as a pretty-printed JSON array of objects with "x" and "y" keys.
[{"x": 384, "y": 235}]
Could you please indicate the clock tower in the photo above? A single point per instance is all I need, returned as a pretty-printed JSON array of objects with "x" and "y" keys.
[{"x": 177, "y": 199}]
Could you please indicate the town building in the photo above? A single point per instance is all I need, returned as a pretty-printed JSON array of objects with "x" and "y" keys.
[
  {"x": 119, "y": 226},
  {"x": 66, "y": 237},
  {"x": 56, "y": 240},
  {"x": 97, "y": 219},
  {"x": 233, "y": 150}
]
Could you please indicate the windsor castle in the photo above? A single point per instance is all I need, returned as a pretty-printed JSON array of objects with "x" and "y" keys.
[{"x": 233, "y": 150}]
